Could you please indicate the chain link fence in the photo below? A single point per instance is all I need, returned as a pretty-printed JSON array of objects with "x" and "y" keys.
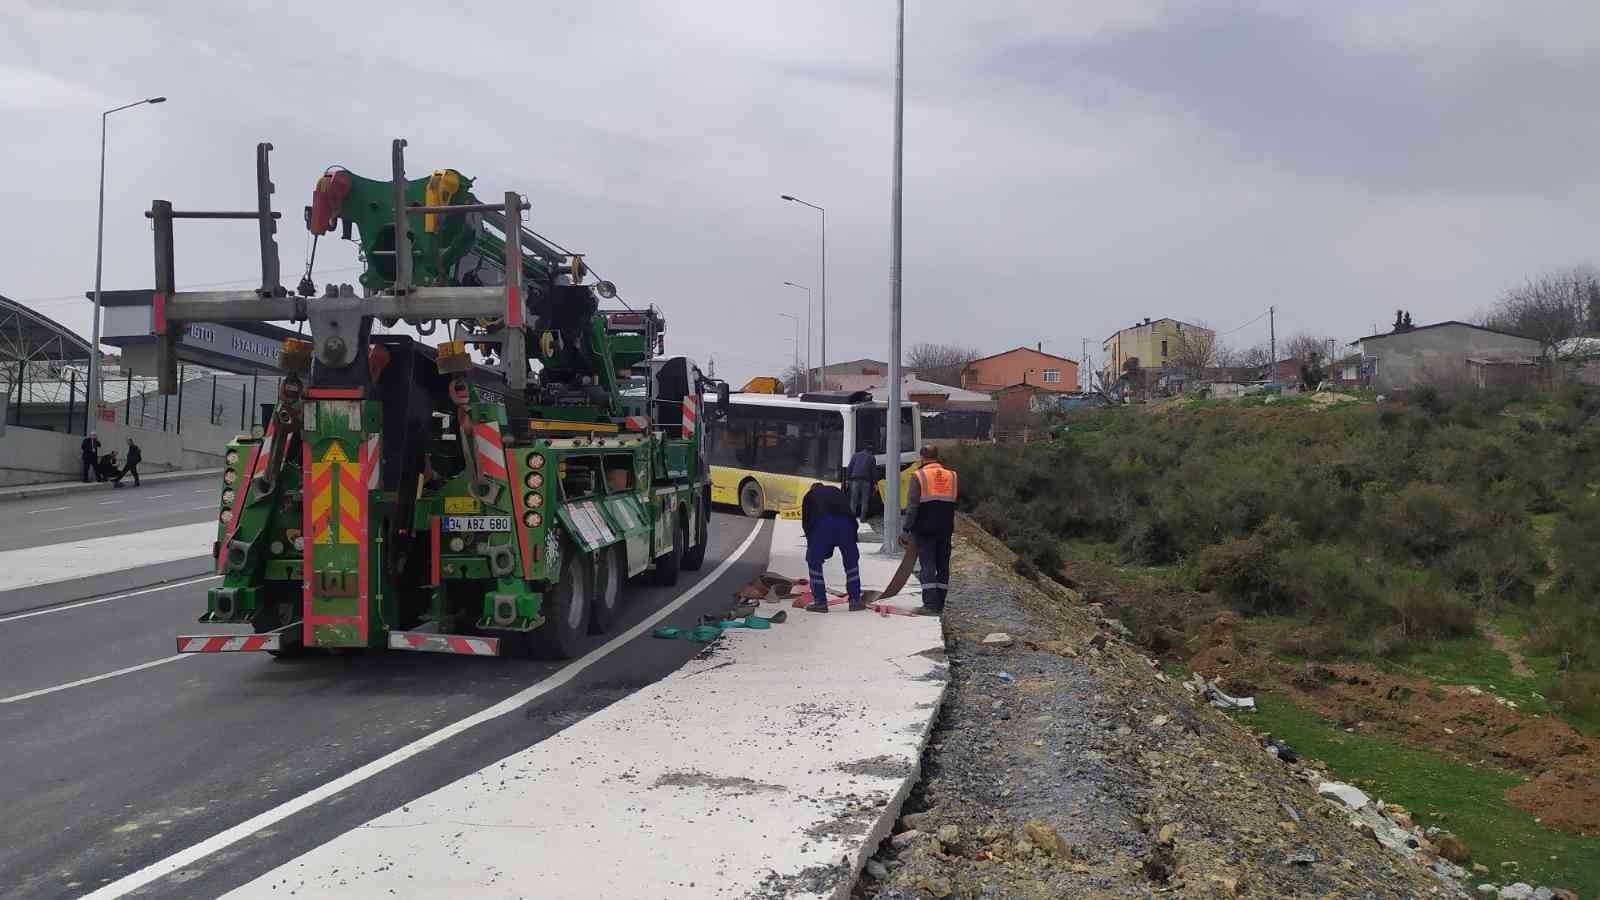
[{"x": 55, "y": 398}]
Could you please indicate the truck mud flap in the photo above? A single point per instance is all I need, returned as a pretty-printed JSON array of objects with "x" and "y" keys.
[
  {"x": 283, "y": 638},
  {"x": 428, "y": 642}
]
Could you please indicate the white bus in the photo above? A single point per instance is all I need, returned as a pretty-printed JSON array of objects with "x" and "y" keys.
[{"x": 770, "y": 449}]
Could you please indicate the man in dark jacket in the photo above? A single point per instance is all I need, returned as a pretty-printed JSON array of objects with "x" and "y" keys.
[
  {"x": 860, "y": 475},
  {"x": 931, "y": 517},
  {"x": 825, "y": 517},
  {"x": 89, "y": 451},
  {"x": 134, "y": 457}
]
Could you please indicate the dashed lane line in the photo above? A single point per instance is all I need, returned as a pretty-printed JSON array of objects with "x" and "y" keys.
[
  {"x": 35, "y": 512},
  {"x": 190, "y": 855},
  {"x": 93, "y": 678}
]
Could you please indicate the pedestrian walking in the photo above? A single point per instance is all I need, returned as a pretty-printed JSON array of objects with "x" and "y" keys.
[
  {"x": 931, "y": 519},
  {"x": 89, "y": 452},
  {"x": 131, "y": 466},
  {"x": 859, "y": 475},
  {"x": 829, "y": 525}
]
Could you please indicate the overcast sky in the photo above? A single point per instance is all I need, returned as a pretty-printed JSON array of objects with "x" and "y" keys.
[{"x": 1070, "y": 166}]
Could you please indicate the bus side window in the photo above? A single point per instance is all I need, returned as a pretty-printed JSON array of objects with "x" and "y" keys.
[{"x": 829, "y": 457}]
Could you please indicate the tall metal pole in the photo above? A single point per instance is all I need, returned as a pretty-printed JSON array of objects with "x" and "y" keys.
[
  {"x": 808, "y": 329},
  {"x": 93, "y": 387},
  {"x": 824, "y": 214},
  {"x": 796, "y": 320},
  {"x": 1272, "y": 332},
  {"x": 891, "y": 492}
]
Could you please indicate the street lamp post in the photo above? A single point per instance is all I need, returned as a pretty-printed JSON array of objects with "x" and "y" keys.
[
  {"x": 808, "y": 329},
  {"x": 796, "y": 320},
  {"x": 92, "y": 389},
  {"x": 891, "y": 493},
  {"x": 824, "y": 282}
]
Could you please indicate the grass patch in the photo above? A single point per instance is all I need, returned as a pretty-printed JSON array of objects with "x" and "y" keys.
[{"x": 1464, "y": 799}]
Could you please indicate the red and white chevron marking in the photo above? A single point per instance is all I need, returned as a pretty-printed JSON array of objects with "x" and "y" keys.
[
  {"x": 491, "y": 450},
  {"x": 444, "y": 643},
  {"x": 690, "y": 410},
  {"x": 370, "y": 461},
  {"x": 226, "y": 643}
]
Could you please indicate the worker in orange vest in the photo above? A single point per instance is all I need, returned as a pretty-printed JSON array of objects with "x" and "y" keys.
[{"x": 931, "y": 519}]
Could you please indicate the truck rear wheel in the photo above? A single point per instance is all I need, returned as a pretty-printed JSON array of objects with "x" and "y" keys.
[
  {"x": 696, "y": 555},
  {"x": 611, "y": 570},
  {"x": 752, "y": 500},
  {"x": 566, "y": 611}
]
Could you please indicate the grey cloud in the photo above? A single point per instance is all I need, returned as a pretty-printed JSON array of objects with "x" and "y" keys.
[{"x": 1298, "y": 94}]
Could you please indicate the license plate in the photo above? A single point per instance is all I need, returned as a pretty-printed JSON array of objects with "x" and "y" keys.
[
  {"x": 477, "y": 523},
  {"x": 462, "y": 505}
]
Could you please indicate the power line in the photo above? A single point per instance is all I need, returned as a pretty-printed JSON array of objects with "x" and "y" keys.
[
  {"x": 1263, "y": 315},
  {"x": 47, "y": 301}
]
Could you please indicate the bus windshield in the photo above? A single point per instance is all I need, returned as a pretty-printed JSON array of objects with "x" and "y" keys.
[{"x": 872, "y": 429}]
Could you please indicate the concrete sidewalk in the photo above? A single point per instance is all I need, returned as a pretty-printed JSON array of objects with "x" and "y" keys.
[
  {"x": 770, "y": 766},
  {"x": 49, "y": 488}
]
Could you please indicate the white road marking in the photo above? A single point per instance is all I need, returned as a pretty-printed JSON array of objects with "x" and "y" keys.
[
  {"x": 93, "y": 678},
  {"x": 157, "y": 496},
  {"x": 203, "y": 491},
  {"x": 204, "y": 506},
  {"x": 34, "y": 512},
  {"x": 64, "y": 608},
  {"x": 107, "y": 502},
  {"x": 88, "y": 524},
  {"x": 189, "y": 855}
]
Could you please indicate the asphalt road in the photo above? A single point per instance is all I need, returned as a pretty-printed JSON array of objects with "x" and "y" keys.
[
  {"x": 103, "y": 511},
  {"x": 104, "y": 778}
]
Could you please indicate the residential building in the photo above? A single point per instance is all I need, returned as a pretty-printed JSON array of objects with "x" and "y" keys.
[
  {"x": 1401, "y": 360},
  {"x": 1154, "y": 343},
  {"x": 948, "y": 413},
  {"x": 851, "y": 375},
  {"x": 1021, "y": 366}
]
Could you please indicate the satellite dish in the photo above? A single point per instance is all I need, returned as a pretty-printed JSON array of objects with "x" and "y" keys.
[{"x": 605, "y": 289}]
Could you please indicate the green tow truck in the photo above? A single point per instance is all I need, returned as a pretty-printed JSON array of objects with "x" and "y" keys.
[{"x": 487, "y": 496}]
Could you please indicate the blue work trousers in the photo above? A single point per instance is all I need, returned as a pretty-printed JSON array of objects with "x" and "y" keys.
[{"x": 830, "y": 533}]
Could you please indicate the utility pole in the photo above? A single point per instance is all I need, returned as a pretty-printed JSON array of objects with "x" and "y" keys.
[
  {"x": 891, "y": 492},
  {"x": 1272, "y": 332},
  {"x": 1083, "y": 367}
]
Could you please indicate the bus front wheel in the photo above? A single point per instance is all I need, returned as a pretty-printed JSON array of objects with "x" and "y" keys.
[{"x": 752, "y": 500}]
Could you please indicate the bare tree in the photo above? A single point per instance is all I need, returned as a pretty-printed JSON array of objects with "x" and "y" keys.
[
  {"x": 1229, "y": 357},
  {"x": 1196, "y": 351},
  {"x": 1549, "y": 309},
  {"x": 1306, "y": 348},
  {"x": 939, "y": 363},
  {"x": 1256, "y": 357}
]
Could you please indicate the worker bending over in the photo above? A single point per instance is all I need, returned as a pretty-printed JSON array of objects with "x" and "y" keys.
[
  {"x": 931, "y": 519},
  {"x": 828, "y": 523}
]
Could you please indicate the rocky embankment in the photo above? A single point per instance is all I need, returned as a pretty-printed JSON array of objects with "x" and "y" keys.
[{"x": 1067, "y": 764}]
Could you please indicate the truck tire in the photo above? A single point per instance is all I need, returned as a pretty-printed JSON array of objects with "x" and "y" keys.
[
  {"x": 566, "y": 610},
  {"x": 752, "y": 500},
  {"x": 695, "y": 557},
  {"x": 611, "y": 570},
  {"x": 668, "y": 564}
]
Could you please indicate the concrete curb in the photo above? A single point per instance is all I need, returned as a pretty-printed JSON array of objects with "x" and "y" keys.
[{"x": 49, "y": 489}]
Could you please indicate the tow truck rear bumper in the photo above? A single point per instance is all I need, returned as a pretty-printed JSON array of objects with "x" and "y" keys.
[
  {"x": 280, "y": 639},
  {"x": 427, "y": 642}
]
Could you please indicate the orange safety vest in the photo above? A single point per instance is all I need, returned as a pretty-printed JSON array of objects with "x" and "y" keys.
[{"x": 936, "y": 483}]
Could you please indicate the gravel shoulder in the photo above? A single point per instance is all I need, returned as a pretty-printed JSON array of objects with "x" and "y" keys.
[{"x": 1066, "y": 764}]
